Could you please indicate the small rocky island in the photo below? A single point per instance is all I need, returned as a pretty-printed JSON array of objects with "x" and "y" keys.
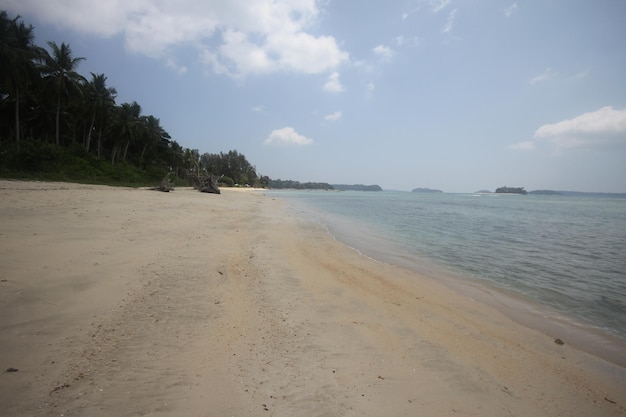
[
  {"x": 425, "y": 190},
  {"x": 510, "y": 190}
]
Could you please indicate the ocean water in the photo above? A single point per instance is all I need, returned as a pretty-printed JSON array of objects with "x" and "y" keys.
[{"x": 567, "y": 253}]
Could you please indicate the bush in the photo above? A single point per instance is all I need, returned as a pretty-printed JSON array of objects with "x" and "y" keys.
[
  {"x": 37, "y": 160},
  {"x": 226, "y": 181}
]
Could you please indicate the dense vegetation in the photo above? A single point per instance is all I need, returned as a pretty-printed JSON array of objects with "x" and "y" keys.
[
  {"x": 290, "y": 184},
  {"x": 56, "y": 124},
  {"x": 510, "y": 190}
]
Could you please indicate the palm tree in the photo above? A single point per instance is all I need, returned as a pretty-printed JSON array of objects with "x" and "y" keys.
[
  {"x": 18, "y": 51},
  {"x": 60, "y": 69},
  {"x": 154, "y": 134},
  {"x": 102, "y": 99},
  {"x": 176, "y": 153},
  {"x": 127, "y": 128}
]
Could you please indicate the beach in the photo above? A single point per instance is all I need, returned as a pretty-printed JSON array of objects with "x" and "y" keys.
[{"x": 127, "y": 302}]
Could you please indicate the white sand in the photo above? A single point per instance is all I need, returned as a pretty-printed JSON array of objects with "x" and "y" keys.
[{"x": 123, "y": 302}]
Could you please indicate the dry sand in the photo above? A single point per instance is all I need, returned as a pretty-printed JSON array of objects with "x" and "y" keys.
[{"x": 125, "y": 302}]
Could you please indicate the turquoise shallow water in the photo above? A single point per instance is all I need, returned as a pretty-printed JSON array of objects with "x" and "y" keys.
[{"x": 566, "y": 253}]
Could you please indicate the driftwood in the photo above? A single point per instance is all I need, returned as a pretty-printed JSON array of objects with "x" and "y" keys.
[
  {"x": 206, "y": 184},
  {"x": 209, "y": 186},
  {"x": 166, "y": 185}
]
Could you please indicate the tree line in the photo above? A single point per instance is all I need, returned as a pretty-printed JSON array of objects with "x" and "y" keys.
[
  {"x": 510, "y": 190},
  {"x": 53, "y": 119},
  {"x": 297, "y": 185}
]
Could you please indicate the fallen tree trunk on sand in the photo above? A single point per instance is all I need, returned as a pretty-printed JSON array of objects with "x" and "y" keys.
[
  {"x": 206, "y": 184},
  {"x": 166, "y": 185},
  {"x": 211, "y": 187}
]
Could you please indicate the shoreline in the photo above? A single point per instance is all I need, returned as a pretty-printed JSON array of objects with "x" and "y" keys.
[
  {"x": 127, "y": 302},
  {"x": 521, "y": 309}
]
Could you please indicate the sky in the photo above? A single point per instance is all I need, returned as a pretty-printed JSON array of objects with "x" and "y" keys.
[{"x": 456, "y": 95}]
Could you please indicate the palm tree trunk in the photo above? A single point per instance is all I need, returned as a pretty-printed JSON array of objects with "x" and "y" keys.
[
  {"x": 125, "y": 151},
  {"x": 17, "y": 117},
  {"x": 143, "y": 151},
  {"x": 57, "y": 120},
  {"x": 88, "y": 141},
  {"x": 99, "y": 150}
]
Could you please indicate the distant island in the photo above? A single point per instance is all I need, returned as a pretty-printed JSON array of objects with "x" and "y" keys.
[
  {"x": 356, "y": 187},
  {"x": 510, "y": 190},
  {"x": 578, "y": 193},
  {"x": 297, "y": 185},
  {"x": 544, "y": 192},
  {"x": 521, "y": 190},
  {"x": 425, "y": 190}
]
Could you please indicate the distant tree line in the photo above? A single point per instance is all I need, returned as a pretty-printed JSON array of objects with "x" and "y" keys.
[
  {"x": 54, "y": 120},
  {"x": 511, "y": 190},
  {"x": 290, "y": 184},
  {"x": 232, "y": 169}
]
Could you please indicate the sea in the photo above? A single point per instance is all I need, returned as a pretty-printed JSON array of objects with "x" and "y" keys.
[{"x": 543, "y": 259}]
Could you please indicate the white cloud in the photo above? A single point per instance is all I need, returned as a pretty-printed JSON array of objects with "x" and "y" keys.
[
  {"x": 411, "y": 41},
  {"x": 581, "y": 75},
  {"x": 416, "y": 8},
  {"x": 384, "y": 52},
  {"x": 304, "y": 53},
  {"x": 450, "y": 23},
  {"x": 181, "y": 69},
  {"x": 438, "y": 5},
  {"x": 605, "y": 126},
  {"x": 333, "y": 85},
  {"x": 258, "y": 109},
  {"x": 510, "y": 10},
  {"x": 285, "y": 137},
  {"x": 523, "y": 146},
  {"x": 333, "y": 117},
  {"x": 106, "y": 18},
  {"x": 363, "y": 65},
  {"x": 546, "y": 75},
  {"x": 234, "y": 37}
]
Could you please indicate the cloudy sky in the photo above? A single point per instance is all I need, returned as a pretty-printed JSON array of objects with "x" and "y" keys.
[{"x": 458, "y": 95}]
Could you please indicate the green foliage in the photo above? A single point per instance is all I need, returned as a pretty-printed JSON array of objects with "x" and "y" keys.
[
  {"x": 232, "y": 165},
  {"x": 510, "y": 190},
  {"x": 226, "y": 181},
  {"x": 286, "y": 184},
  {"x": 56, "y": 124},
  {"x": 36, "y": 160}
]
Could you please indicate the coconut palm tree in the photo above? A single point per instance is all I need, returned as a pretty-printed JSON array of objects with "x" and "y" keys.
[
  {"x": 175, "y": 157},
  {"x": 154, "y": 134},
  {"x": 17, "y": 53},
  {"x": 60, "y": 69},
  {"x": 127, "y": 128},
  {"x": 101, "y": 99}
]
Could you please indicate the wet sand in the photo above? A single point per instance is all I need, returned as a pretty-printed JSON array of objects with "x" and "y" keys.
[{"x": 127, "y": 302}]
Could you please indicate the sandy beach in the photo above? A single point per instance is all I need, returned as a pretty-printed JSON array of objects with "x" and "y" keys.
[{"x": 129, "y": 302}]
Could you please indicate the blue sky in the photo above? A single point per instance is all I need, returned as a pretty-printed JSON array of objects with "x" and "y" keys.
[{"x": 448, "y": 94}]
